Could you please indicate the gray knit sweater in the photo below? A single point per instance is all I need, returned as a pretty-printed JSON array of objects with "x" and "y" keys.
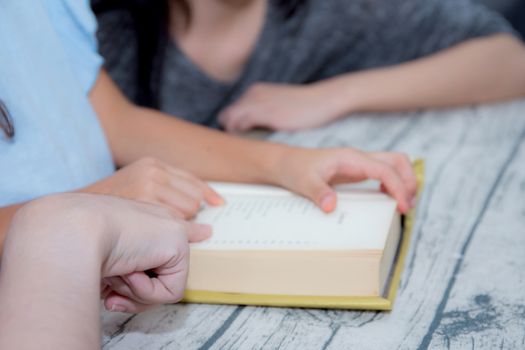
[{"x": 324, "y": 38}]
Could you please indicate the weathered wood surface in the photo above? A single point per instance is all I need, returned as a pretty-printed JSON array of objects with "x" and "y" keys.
[{"x": 464, "y": 281}]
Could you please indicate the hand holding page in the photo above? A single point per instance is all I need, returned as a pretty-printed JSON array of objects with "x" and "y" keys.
[
  {"x": 258, "y": 217},
  {"x": 272, "y": 247}
]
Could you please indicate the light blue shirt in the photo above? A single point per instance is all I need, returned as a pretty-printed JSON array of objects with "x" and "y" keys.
[{"x": 48, "y": 65}]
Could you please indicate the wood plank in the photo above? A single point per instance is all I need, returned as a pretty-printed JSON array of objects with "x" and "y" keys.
[
  {"x": 367, "y": 132},
  {"x": 166, "y": 327},
  {"x": 456, "y": 144},
  {"x": 486, "y": 306},
  {"x": 460, "y": 176}
]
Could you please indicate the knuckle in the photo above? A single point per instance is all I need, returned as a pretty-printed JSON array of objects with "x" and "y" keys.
[
  {"x": 229, "y": 113},
  {"x": 194, "y": 207},
  {"x": 385, "y": 172},
  {"x": 309, "y": 181},
  {"x": 235, "y": 114},
  {"x": 187, "y": 216},
  {"x": 257, "y": 90},
  {"x": 184, "y": 251},
  {"x": 402, "y": 159},
  {"x": 152, "y": 172},
  {"x": 148, "y": 188},
  {"x": 180, "y": 247},
  {"x": 179, "y": 227},
  {"x": 165, "y": 212},
  {"x": 190, "y": 176},
  {"x": 199, "y": 195},
  {"x": 177, "y": 293}
]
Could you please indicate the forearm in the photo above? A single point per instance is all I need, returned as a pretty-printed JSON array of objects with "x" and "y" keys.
[
  {"x": 6, "y": 215},
  {"x": 480, "y": 70},
  {"x": 134, "y": 133},
  {"x": 209, "y": 154},
  {"x": 49, "y": 285}
]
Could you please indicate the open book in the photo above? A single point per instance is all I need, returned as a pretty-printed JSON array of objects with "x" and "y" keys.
[{"x": 272, "y": 247}]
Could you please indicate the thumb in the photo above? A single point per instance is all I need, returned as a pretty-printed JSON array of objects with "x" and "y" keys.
[
  {"x": 198, "y": 232},
  {"x": 322, "y": 195}
]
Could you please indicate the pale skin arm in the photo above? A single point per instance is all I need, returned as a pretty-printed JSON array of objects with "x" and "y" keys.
[
  {"x": 476, "y": 71},
  {"x": 164, "y": 160},
  {"x": 134, "y": 133},
  {"x": 146, "y": 180},
  {"x": 59, "y": 248}
]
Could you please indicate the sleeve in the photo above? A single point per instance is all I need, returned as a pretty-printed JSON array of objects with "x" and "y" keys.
[
  {"x": 378, "y": 33},
  {"x": 118, "y": 45},
  {"x": 76, "y": 25}
]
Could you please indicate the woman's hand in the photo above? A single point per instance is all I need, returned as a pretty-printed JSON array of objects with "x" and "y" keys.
[
  {"x": 278, "y": 107},
  {"x": 153, "y": 181},
  {"x": 312, "y": 172}
]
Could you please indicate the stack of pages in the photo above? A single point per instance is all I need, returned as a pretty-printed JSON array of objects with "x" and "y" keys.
[{"x": 271, "y": 247}]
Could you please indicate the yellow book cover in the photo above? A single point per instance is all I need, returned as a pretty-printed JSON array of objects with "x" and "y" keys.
[{"x": 384, "y": 301}]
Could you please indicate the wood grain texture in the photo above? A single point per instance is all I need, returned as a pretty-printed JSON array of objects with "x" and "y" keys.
[{"x": 464, "y": 280}]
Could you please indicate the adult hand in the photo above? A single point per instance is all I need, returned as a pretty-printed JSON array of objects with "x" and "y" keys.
[
  {"x": 278, "y": 107},
  {"x": 312, "y": 172},
  {"x": 153, "y": 181}
]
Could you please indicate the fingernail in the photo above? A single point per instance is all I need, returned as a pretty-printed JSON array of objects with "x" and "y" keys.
[
  {"x": 327, "y": 203},
  {"x": 413, "y": 202},
  {"x": 117, "y": 308},
  {"x": 218, "y": 200}
]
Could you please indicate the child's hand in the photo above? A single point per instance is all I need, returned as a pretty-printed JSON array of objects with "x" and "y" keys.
[
  {"x": 153, "y": 181},
  {"x": 139, "y": 251},
  {"x": 147, "y": 260},
  {"x": 278, "y": 107},
  {"x": 311, "y": 172}
]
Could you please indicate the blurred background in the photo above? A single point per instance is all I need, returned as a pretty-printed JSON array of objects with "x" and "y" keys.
[{"x": 514, "y": 11}]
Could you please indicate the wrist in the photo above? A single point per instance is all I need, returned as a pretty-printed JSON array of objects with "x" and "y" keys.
[
  {"x": 283, "y": 168},
  {"x": 275, "y": 162},
  {"x": 341, "y": 95},
  {"x": 60, "y": 222},
  {"x": 52, "y": 262}
]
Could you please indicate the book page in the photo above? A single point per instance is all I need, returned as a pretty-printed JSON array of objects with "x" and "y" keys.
[{"x": 261, "y": 217}]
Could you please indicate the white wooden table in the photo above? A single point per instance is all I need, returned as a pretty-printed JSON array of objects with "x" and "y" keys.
[{"x": 463, "y": 286}]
